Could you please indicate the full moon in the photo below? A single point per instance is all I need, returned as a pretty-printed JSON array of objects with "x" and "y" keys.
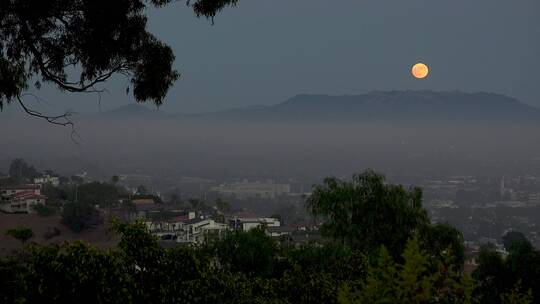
[{"x": 420, "y": 70}]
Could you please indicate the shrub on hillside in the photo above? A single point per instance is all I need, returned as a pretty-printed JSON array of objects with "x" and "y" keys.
[{"x": 80, "y": 216}]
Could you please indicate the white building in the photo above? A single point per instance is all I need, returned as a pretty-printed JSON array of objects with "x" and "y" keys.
[
  {"x": 196, "y": 231},
  {"x": 246, "y": 224},
  {"x": 47, "y": 179},
  {"x": 188, "y": 231}
]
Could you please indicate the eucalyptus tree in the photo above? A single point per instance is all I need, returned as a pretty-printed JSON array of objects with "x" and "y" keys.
[{"x": 77, "y": 45}]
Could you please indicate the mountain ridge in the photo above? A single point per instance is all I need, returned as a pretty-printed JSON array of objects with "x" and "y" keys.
[{"x": 453, "y": 105}]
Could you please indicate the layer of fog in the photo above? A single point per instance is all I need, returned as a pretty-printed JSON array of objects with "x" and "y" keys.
[{"x": 235, "y": 148}]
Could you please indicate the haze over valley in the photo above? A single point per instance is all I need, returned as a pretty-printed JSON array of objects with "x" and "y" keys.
[{"x": 397, "y": 132}]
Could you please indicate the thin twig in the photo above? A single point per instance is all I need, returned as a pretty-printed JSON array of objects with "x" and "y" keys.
[{"x": 60, "y": 120}]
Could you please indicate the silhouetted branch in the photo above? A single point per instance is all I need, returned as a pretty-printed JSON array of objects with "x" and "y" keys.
[{"x": 60, "y": 120}]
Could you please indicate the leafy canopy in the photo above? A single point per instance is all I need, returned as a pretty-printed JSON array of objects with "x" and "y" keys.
[{"x": 366, "y": 213}]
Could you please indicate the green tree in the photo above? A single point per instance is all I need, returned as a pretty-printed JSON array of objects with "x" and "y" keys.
[
  {"x": 498, "y": 276},
  {"x": 442, "y": 240},
  {"x": 249, "y": 252},
  {"x": 512, "y": 236},
  {"x": 491, "y": 275},
  {"x": 58, "y": 194},
  {"x": 523, "y": 267},
  {"x": 332, "y": 258},
  {"x": 198, "y": 205},
  {"x": 22, "y": 234},
  {"x": 516, "y": 296},
  {"x": 380, "y": 284},
  {"x": 21, "y": 171},
  {"x": 451, "y": 285},
  {"x": 415, "y": 283},
  {"x": 73, "y": 273},
  {"x": 366, "y": 213},
  {"x": 96, "y": 193},
  {"x": 79, "y": 216}
]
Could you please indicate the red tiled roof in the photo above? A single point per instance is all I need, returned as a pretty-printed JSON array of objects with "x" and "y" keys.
[
  {"x": 26, "y": 195},
  {"x": 20, "y": 194}
]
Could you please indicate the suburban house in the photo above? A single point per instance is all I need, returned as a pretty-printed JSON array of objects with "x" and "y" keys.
[
  {"x": 20, "y": 198},
  {"x": 248, "y": 223},
  {"x": 186, "y": 230},
  {"x": 172, "y": 228},
  {"x": 173, "y": 225},
  {"x": 197, "y": 230}
]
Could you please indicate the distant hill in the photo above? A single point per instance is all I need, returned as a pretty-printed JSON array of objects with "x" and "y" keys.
[
  {"x": 372, "y": 106},
  {"x": 392, "y": 105}
]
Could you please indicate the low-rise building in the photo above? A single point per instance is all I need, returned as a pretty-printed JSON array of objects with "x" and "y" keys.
[
  {"x": 246, "y": 224},
  {"x": 197, "y": 230},
  {"x": 20, "y": 198},
  {"x": 11, "y": 189}
]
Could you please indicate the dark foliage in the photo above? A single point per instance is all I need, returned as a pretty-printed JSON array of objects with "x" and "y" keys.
[
  {"x": 22, "y": 234},
  {"x": 251, "y": 253},
  {"x": 96, "y": 193},
  {"x": 511, "y": 237},
  {"x": 251, "y": 267},
  {"x": 497, "y": 275},
  {"x": 441, "y": 238},
  {"x": 79, "y": 216},
  {"x": 51, "y": 41},
  {"x": 21, "y": 171},
  {"x": 366, "y": 213},
  {"x": 140, "y": 271}
]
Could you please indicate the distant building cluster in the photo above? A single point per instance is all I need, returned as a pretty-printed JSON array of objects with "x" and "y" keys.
[
  {"x": 187, "y": 228},
  {"x": 483, "y": 208},
  {"x": 47, "y": 179},
  {"x": 246, "y": 190},
  {"x": 177, "y": 226}
]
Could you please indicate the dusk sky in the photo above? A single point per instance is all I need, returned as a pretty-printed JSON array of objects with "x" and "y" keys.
[{"x": 263, "y": 52}]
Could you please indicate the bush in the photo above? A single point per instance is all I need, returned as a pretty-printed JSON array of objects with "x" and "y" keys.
[
  {"x": 80, "y": 216},
  {"x": 22, "y": 234}
]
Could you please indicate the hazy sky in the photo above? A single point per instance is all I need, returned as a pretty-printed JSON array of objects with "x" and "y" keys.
[{"x": 265, "y": 51}]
